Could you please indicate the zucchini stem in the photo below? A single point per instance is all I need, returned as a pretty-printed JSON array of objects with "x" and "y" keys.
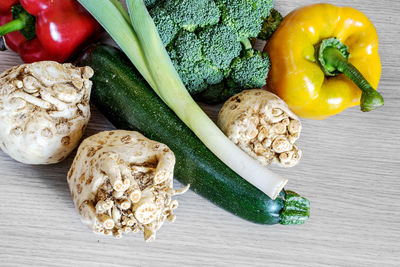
[{"x": 296, "y": 209}]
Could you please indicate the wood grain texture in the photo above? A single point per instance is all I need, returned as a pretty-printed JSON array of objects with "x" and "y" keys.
[{"x": 350, "y": 172}]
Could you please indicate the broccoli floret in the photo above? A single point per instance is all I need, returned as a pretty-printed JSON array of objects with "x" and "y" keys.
[
  {"x": 249, "y": 71},
  {"x": 203, "y": 39},
  {"x": 195, "y": 71},
  {"x": 212, "y": 74},
  {"x": 188, "y": 47},
  {"x": 190, "y": 14},
  {"x": 270, "y": 24},
  {"x": 167, "y": 29},
  {"x": 244, "y": 16},
  {"x": 192, "y": 75},
  {"x": 185, "y": 52},
  {"x": 220, "y": 45}
]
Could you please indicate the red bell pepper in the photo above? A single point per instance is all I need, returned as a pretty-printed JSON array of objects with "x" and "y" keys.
[{"x": 46, "y": 29}]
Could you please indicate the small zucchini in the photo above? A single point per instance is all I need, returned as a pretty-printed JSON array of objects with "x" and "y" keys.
[{"x": 125, "y": 98}]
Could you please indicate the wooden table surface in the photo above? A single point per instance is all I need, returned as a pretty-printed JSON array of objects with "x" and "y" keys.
[{"x": 350, "y": 171}]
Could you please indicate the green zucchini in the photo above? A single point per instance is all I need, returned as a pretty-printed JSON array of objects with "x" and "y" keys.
[{"x": 125, "y": 98}]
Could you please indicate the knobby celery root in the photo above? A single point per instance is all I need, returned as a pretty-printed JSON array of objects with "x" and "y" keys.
[
  {"x": 122, "y": 182},
  {"x": 262, "y": 125},
  {"x": 44, "y": 110}
]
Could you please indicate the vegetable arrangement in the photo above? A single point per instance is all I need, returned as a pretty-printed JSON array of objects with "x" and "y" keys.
[
  {"x": 142, "y": 44},
  {"x": 46, "y": 29},
  {"x": 324, "y": 60},
  {"x": 129, "y": 103},
  {"x": 121, "y": 181}
]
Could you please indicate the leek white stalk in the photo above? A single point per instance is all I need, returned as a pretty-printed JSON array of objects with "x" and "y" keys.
[{"x": 154, "y": 64}]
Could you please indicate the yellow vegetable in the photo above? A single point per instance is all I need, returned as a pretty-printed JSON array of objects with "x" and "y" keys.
[{"x": 324, "y": 60}]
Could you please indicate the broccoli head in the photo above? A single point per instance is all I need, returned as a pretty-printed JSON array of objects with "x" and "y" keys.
[{"x": 205, "y": 38}]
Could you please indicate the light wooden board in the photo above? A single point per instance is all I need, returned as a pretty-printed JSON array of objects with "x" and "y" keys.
[{"x": 350, "y": 172}]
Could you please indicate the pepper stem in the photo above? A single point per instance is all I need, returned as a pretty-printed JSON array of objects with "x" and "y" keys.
[
  {"x": 22, "y": 21},
  {"x": 333, "y": 58},
  {"x": 12, "y": 26}
]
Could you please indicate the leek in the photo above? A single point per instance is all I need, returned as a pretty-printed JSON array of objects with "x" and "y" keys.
[{"x": 141, "y": 43}]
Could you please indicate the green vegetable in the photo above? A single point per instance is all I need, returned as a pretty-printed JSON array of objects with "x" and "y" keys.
[
  {"x": 244, "y": 16},
  {"x": 128, "y": 102},
  {"x": 186, "y": 61},
  {"x": 203, "y": 39},
  {"x": 247, "y": 71},
  {"x": 142, "y": 44},
  {"x": 296, "y": 209},
  {"x": 270, "y": 24},
  {"x": 191, "y": 14}
]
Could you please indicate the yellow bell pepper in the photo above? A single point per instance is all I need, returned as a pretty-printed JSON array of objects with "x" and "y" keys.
[{"x": 320, "y": 55}]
